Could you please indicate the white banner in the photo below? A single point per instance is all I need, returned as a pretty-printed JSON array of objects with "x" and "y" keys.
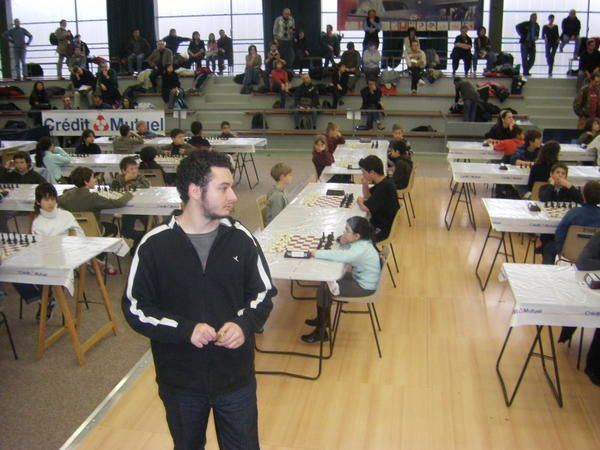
[{"x": 104, "y": 122}]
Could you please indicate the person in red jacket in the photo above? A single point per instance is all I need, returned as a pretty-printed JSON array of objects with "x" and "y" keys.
[
  {"x": 510, "y": 146},
  {"x": 280, "y": 82},
  {"x": 334, "y": 137}
]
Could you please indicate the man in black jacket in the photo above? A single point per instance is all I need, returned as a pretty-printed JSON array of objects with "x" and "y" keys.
[
  {"x": 528, "y": 33},
  {"x": 23, "y": 173},
  {"x": 306, "y": 100},
  {"x": 225, "y": 48},
  {"x": 571, "y": 26},
  {"x": 199, "y": 288}
]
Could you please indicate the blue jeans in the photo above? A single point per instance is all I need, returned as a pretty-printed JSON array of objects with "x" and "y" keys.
[
  {"x": 19, "y": 61},
  {"x": 470, "y": 112},
  {"x": 235, "y": 415},
  {"x": 137, "y": 59},
  {"x": 373, "y": 116},
  {"x": 527, "y": 56},
  {"x": 251, "y": 76},
  {"x": 298, "y": 116}
]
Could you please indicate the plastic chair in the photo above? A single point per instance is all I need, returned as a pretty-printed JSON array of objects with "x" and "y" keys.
[
  {"x": 535, "y": 196},
  {"x": 4, "y": 320},
  {"x": 387, "y": 242},
  {"x": 261, "y": 206},
  {"x": 535, "y": 190},
  {"x": 404, "y": 194},
  {"x": 154, "y": 176}
]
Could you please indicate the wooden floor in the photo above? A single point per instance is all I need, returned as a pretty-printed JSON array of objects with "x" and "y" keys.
[{"x": 434, "y": 388}]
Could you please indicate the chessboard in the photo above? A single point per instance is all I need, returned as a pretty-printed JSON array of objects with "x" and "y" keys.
[
  {"x": 296, "y": 242},
  {"x": 11, "y": 243},
  {"x": 329, "y": 201},
  {"x": 557, "y": 210},
  {"x": 216, "y": 140},
  {"x": 106, "y": 192},
  {"x": 173, "y": 159}
]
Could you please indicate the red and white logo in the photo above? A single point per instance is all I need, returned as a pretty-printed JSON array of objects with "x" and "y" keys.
[{"x": 100, "y": 124}]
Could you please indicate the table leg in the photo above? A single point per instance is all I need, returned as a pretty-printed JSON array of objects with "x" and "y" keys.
[
  {"x": 80, "y": 293},
  {"x": 454, "y": 191}
]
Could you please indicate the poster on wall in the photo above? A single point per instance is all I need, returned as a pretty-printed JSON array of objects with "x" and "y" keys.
[
  {"x": 430, "y": 15},
  {"x": 104, "y": 122}
]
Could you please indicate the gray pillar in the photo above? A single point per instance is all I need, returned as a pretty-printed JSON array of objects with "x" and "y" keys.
[
  {"x": 495, "y": 26},
  {"x": 4, "y": 48}
]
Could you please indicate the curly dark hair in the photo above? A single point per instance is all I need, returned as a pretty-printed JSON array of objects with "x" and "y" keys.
[{"x": 196, "y": 169}]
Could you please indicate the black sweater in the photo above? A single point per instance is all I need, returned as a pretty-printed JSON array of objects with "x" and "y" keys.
[{"x": 168, "y": 293}]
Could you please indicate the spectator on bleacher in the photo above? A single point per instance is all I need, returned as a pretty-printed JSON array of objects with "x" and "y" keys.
[
  {"x": 252, "y": 72},
  {"x": 16, "y": 36},
  {"x": 330, "y": 45},
  {"x": 38, "y": 100},
  {"x": 196, "y": 50},
  {"x": 108, "y": 84},
  {"x": 590, "y": 131},
  {"x": 280, "y": 83},
  {"x": 212, "y": 52},
  {"x": 128, "y": 139},
  {"x": 550, "y": 37},
  {"x": 158, "y": 60},
  {"x": 571, "y": 26},
  {"x": 503, "y": 129},
  {"x": 172, "y": 42},
  {"x": 462, "y": 51},
  {"x": 340, "y": 84},
  {"x": 98, "y": 103},
  {"x": 67, "y": 102},
  {"x": 415, "y": 62},
  {"x": 270, "y": 59},
  {"x": 84, "y": 51},
  {"x": 528, "y": 33},
  {"x": 226, "y": 132},
  {"x": 171, "y": 87},
  {"x": 321, "y": 157},
  {"x": 401, "y": 158},
  {"x": 284, "y": 28},
  {"x": 141, "y": 128},
  {"x": 84, "y": 83},
  {"x": 410, "y": 37},
  {"x": 178, "y": 146},
  {"x": 137, "y": 50},
  {"x": 87, "y": 145},
  {"x": 589, "y": 63},
  {"x": 63, "y": 37},
  {"x": 51, "y": 157},
  {"x": 334, "y": 137},
  {"x": 371, "y": 100},
  {"x": 197, "y": 140},
  {"x": 306, "y": 100},
  {"x": 351, "y": 59},
  {"x": 22, "y": 172},
  {"x": 371, "y": 27},
  {"x": 127, "y": 103},
  {"x": 225, "y": 46},
  {"x": 470, "y": 97},
  {"x": 301, "y": 50},
  {"x": 483, "y": 50},
  {"x": 77, "y": 59},
  {"x": 587, "y": 103},
  {"x": 371, "y": 61}
]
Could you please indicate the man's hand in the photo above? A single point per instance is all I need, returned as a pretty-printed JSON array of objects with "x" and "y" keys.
[
  {"x": 202, "y": 335},
  {"x": 230, "y": 336}
]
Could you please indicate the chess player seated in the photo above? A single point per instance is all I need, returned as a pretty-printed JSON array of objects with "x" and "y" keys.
[
  {"x": 400, "y": 156},
  {"x": 510, "y": 146},
  {"x": 49, "y": 220},
  {"x": 148, "y": 161},
  {"x": 380, "y": 201},
  {"x": 277, "y": 198},
  {"x": 540, "y": 170},
  {"x": 226, "y": 132},
  {"x": 357, "y": 248},
  {"x": 141, "y": 127},
  {"x": 87, "y": 145},
  {"x": 81, "y": 199},
  {"x": 587, "y": 216},
  {"x": 559, "y": 188},
  {"x": 22, "y": 171},
  {"x": 526, "y": 155},
  {"x": 130, "y": 178},
  {"x": 178, "y": 146},
  {"x": 197, "y": 140},
  {"x": 127, "y": 140}
]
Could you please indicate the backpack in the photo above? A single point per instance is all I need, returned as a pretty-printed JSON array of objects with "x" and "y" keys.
[
  {"x": 389, "y": 76},
  {"x": 239, "y": 79},
  {"x": 34, "y": 70},
  {"x": 10, "y": 106},
  {"x": 516, "y": 87},
  {"x": 326, "y": 105},
  {"x": 55, "y": 91},
  {"x": 15, "y": 125},
  {"x": 11, "y": 91},
  {"x": 276, "y": 105},
  {"x": 424, "y": 128},
  {"x": 259, "y": 122},
  {"x": 504, "y": 58},
  {"x": 53, "y": 39}
]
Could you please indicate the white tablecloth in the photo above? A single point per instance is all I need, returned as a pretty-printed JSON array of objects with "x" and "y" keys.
[
  {"x": 233, "y": 145},
  {"x": 346, "y": 155},
  {"x": 476, "y": 150},
  {"x": 52, "y": 260},
  {"x": 154, "y": 201},
  {"x": 25, "y": 146},
  {"x": 303, "y": 220},
  {"x": 109, "y": 162},
  {"x": 551, "y": 295},
  {"x": 514, "y": 216},
  {"x": 483, "y": 173}
]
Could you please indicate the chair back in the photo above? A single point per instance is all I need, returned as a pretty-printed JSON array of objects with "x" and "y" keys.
[
  {"x": 88, "y": 223},
  {"x": 411, "y": 182},
  {"x": 154, "y": 176},
  {"x": 535, "y": 190},
  {"x": 388, "y": 240},
  {"x": 577, "y": 238},
  {"x": 261, "y": 206}
]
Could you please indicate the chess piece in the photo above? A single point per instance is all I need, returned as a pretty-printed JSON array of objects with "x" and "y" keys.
[{"x": 33, "y": 239}]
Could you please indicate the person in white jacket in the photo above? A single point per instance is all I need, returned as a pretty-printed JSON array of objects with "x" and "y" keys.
[
  {"x": 51, "y": 157},
  {"x": 50, "y": 220},
  {"x": 415, "y": 61}
]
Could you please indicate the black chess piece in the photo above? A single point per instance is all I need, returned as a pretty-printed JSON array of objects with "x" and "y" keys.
[
  {"x": 3, "y": 239},
  {"x": 33, "y": 239},
  {"x": 26, "y": 239},
  {"x": 21, "y": 239}
]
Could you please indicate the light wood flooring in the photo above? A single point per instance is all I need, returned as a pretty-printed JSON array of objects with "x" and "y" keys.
[{"x": 434, "y": 388}]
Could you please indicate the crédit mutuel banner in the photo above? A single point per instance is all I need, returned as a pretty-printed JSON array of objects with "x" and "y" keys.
[
  {"x": 424, "y": 15},
  {"x": 104, "y": 122}
]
